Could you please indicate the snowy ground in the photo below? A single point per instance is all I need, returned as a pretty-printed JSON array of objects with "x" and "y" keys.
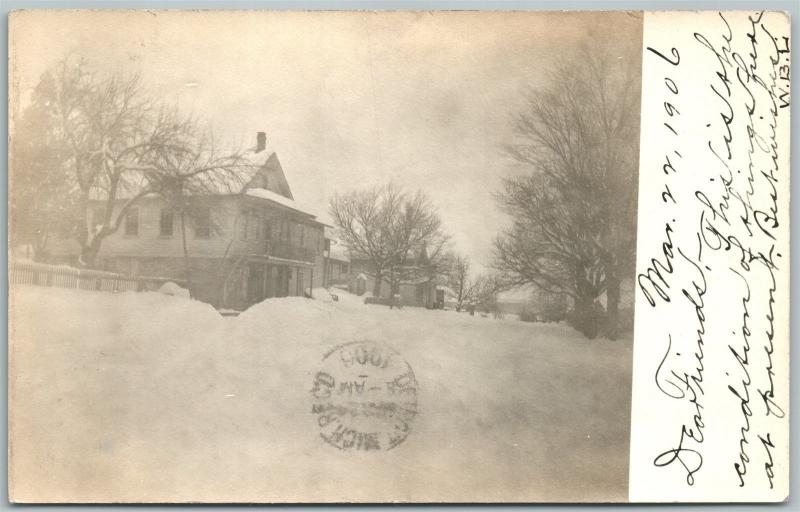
[{"x": 147, "y": 397}]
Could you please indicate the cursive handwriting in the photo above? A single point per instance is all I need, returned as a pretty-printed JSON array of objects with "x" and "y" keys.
[
  {"x": 716, "y": 270},
  {"x": 687, "y": 385}
]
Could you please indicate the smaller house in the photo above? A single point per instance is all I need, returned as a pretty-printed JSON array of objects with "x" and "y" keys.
[
  {"x": 337, "y": 263},
  {"x": 420, "y": 292},
  {"x": 416, "y": 284}
]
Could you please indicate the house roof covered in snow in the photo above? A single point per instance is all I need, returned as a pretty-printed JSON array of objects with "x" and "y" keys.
[
  {"x": 266, "y": 172},
  {"x": 518, "y": 294},
  {"x": 260, "y": 176},
  {"x": 269, "y": 195},
  {"x": 339, "y": 252},
  {"x": 254, "y": 169},
  {"x": 447, "y": 290}
]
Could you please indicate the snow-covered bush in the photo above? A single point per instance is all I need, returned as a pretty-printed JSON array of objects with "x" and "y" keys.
[{"x": 170, "y": 288}]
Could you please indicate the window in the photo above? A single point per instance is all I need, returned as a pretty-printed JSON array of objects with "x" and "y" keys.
[
  {"x": 267, "y": 229},
  {"x": 250, "y": 225},
  {"x": 166, "y": 222},
  {"x": 302, "y": 235},
  {"x": 255, "y": 225},
  {"x": 132, "y": 222},
  {"x": 244, "y": 220},
  {"x": 202, "y": 223},
  {"x": 312, "y": 239}
]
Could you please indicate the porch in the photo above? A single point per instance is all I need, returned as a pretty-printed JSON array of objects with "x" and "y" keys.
[{"x": 257, "y": 278}]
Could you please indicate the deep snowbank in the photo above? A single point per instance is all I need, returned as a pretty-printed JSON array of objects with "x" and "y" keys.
[{"x": 150, "y": 397}]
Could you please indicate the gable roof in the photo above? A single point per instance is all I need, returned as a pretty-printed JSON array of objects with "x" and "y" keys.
[
  {"x": 257, "y": 171},
  {"x": 260, "y": 176},
  {"x": 339, "y": 252},
  {"x": 268, "y": 175}
]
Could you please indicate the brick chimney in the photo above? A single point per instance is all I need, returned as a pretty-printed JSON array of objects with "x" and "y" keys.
[{"x": 261, "y": 142}]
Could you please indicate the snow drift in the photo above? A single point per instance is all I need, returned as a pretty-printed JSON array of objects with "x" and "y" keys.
[{"x": 151, "y": 397}]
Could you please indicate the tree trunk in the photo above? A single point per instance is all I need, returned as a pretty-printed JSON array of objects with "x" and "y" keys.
[
  {"x": 394, "y": 285},
  {"x": 324, "y": 269},
  {"x": 82, "y": 228},
  {"x": 39, "y": 246},
  {"x": 612, "y": 307},
  {"x": 222, "y": 276},
  {"x": 391, "y": 289},
  {"x": 376, "y": 289},
  {"x": 89, "y": 253},
  {"x": 186, "y": 255},
  {"x": 584, "y": 317}
]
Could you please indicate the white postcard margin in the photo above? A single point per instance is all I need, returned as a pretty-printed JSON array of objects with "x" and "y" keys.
[{"x": 710, "y": 400}]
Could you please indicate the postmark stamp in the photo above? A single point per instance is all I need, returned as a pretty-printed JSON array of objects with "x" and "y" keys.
[{"x": 364, "y": 397}]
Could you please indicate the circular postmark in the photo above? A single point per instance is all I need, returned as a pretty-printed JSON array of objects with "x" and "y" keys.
[{"x": 364, "y": 397}]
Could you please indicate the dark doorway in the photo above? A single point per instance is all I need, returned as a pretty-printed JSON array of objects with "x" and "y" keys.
[
  {"x": 282, "y": 282},
  {"x": 255, "y": 284},
  {"x": 439, "y": 299},
  {"x": 300, "y": 288},
  {"x": 269, "y": 282}
]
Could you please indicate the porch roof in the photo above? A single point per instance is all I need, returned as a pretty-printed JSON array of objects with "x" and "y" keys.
[
  {"x": 274, "y": 198},
  {"x": 285, "y": 262}
]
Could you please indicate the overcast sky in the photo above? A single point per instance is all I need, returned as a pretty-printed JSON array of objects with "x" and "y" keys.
[{"x": 346, "y": 99}]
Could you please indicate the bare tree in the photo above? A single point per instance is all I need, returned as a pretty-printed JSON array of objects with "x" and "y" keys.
[
  {"x": 364, "y": 219},
  {"x": 187, "y": 173},
  {"x": 118, "y": 145},
  {"x": 400, "y": 234},
  {"x": 418, "y": 242},
  {"x": 574, "y": 211},
  {"x": 461, "y": 282},
  {"x": 105, "y": 123},
  {"x": 481, "y": 294},
  {"x": 485, "y": 292}
]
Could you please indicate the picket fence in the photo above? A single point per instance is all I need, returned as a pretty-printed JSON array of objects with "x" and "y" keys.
[{"x": 62, "y": 276}]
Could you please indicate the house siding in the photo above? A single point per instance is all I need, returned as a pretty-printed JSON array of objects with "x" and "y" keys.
[
  {"x": 337, "y": 272},
  {"x": 272, "y": 230},
  {"x": 411, "y": 294}
]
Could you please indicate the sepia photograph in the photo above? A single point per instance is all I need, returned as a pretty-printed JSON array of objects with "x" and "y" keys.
[{"x": 322, "y": 257}]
